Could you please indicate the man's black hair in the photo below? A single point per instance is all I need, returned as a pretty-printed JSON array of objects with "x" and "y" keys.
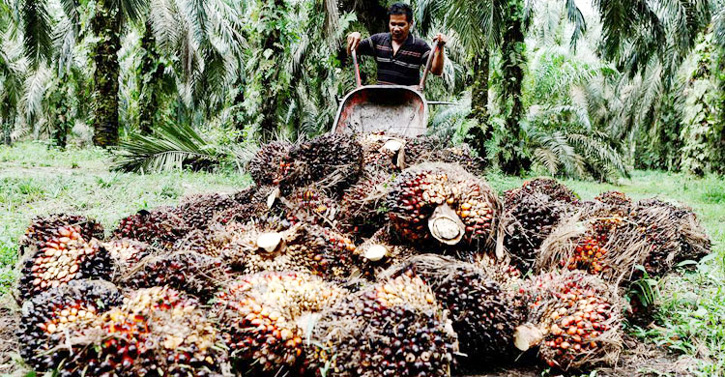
[{"x": 401, "y": 8}]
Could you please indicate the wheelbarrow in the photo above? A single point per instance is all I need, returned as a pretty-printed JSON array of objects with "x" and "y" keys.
[{"x": 396, "y": 109}]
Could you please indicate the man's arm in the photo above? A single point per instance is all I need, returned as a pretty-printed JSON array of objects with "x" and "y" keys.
[{"x": 438, "y": 57}]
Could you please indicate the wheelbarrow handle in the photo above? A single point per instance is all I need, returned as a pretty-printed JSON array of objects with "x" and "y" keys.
[
  {"x": 358, "y": 80},
  {"x": 428, "y": 64}
]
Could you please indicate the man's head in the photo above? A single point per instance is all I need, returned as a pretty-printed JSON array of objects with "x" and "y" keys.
[{"x": 401, "y": 19}]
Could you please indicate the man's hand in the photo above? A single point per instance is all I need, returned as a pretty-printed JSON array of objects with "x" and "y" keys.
[
  {"x": 353, "y": 40},
  {"x": 441, "y": 39}
]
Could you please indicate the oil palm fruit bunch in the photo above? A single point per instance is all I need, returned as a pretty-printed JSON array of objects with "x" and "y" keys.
[
  {"x": 263, "y": 319},
  {"x": 528, "y": 221},
  {"x": 331, "y": 161},
  {"x": 324, "y": 252},
  {"x": 592, "y": 252},
  {"x": 198, "y": 212},
  {"x": 363, "y": 209},
  {"x": 126, "y": 252},
  {"x": 392, "y": 328},
  {"x": 481, "y": 312},
  {"x": 49, "y": 316},
  {"x": 311, "y": 205},
  {"x": 423, "y": 149},
  {"x": 43, "y": 228},
  {"x": 443, "y": 202},
  {"x": 196, "y": 274},
  {"x": 547, "y": 186},
  {"x": 381, "y": 152},
  {"x": 574, "y": 318},
  {"x": 271, "y": 164},
  {"x": 160, "y": 226},
  {"x": 616, "y": 199},
  {"x": 251, "y": 203},
  {"x": 380, "y": 252},
  {"x": 155, "y": 332},
  {"x": 63, "y": 257}
]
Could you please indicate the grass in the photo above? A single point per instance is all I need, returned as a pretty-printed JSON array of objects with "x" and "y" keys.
[{"x": 35, "y": 180}]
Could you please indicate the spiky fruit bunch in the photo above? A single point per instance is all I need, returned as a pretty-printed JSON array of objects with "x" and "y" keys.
[
  {"x": 547, "y": 186},
  {"x": 444, "y": 202},
  {"x": 156, "y": 332},
  {"x": 126, "y": 253},
  {"x": 591, "y": 250},
  {"x": 673, "y": 234},
  {"x": 528, "y": 221},
  {"x": 157, "y": 227},
  {"x": 614, "y": 198},
  {"x": 381, "y": 152},
  {"x": 481, "y": 311},
  {"x": 331, "y": 161},
  {"x": 49, "y": 316},
  {"x": 271, "y": 164},
  {"x": 574, "y": 318},
  {"x": 198, "y": 212},
  {"x": 43, "y": 228},
  {"x": 392, "y": 328},
  {"x": 251, "y": 203},
  {"x": 311, "y": 205},
  {"x": 324, "y": 252},
  {"x": 381, "y": 251},
  {"x": 196, "y": 274},
  {"x": 262, "y": 317},
  {"x": 363, "y": 209},
  {"x": 462, "y": 156},
  {"x": 63, "y": 257}
]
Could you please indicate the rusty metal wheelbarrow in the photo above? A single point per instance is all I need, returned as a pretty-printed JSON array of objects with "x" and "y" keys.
[{"x": 396, "y": 109}]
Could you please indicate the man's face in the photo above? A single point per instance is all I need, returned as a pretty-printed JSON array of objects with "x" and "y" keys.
[{"x": 399, "y": 27}]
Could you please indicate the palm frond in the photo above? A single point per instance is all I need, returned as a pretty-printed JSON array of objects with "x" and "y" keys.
[
  {"x": 36, "y": 84},
  {"x": 170, "y": 148},
  {"x": 575, "y": 16},
  {"x": 37, "y": 29},
  {"x": 132, "y": 10}
]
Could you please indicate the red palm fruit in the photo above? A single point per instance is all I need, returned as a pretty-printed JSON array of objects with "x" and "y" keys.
[
  {"x": 51, "y": 318},
  {"x": 331, "y": 161},
  {"x": 363, "y": 209},
  {"x": 159, "y": 227},
  {"x": 156, "y": 331},
  {"x": 548, "y": 186},
  {"x": 200, "y": 211},
  {"x": 481, "y": 310},
  {"x": 263, "y": 319},
  {"x": 43, "y": 228},
  {"x": 193, "y": 273},
  {"x": 63, "y": 257},
  {"x": 528, "y": 221},
  {"x": 393, "y": 328},
  {"x": 271, "y": 164},
  {"x": 574, "y": 318},
  {"x": 444, "y": 202}
]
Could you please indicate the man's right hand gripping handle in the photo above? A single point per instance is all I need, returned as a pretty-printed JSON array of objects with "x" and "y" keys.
[{"x": 353, "y": 41}]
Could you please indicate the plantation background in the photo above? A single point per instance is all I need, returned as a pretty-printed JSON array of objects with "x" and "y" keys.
[{"x": 111, "y": 106}]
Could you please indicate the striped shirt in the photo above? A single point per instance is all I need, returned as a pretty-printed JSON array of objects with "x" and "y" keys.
[{"x": 403, "y": 68}]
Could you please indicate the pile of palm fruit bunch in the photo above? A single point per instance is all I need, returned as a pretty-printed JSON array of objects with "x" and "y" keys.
[{"x": 351, "y": 255}]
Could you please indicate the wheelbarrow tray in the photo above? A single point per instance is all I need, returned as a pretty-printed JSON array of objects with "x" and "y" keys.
[{"x": 396, "y": 109}]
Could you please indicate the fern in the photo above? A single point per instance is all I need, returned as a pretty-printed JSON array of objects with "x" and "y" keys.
[{"x": 172, "y": 147}]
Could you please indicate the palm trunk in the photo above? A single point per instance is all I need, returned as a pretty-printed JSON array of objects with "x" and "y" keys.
[
  {"x": 106, "y": 25},
  {"x": 511, "y": 152},
  {"x": 152, "y": 74},
  {"x": 477, "y": 136},
  {"x": 270, "y": 93}
]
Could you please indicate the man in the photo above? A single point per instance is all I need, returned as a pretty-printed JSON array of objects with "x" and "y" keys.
[{"x": 399, "y": 54}]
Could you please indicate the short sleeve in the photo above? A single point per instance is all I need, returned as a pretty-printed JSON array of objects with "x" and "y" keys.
[
  {"x": 366, "y": 47},
  {"x": 425, "y": 53}
]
